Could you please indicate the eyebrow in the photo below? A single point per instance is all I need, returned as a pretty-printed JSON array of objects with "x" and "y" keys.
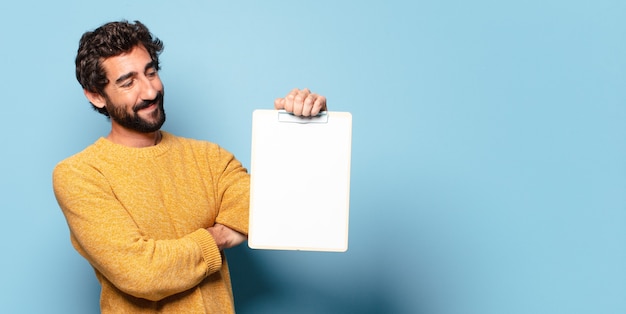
[{"x": 128, "y": 75}]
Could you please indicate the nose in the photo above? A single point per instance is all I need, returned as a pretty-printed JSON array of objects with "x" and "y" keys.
[{"x": 151, "y": 86}]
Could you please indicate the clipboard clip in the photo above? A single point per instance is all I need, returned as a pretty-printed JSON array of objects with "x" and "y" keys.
[{"x": 288, "y": 117}]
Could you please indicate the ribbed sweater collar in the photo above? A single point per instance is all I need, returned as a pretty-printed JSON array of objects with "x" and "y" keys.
[{"x": 109, "y": 148}]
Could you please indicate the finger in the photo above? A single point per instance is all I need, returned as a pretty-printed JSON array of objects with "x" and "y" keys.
[
  {"x": 298, "y": 101},
  {"x": 306, "y": 104},
  {"x": 307, "y": 107},
  {"x": 319, "y": 105},
  {"x": 289, "y": 99},
  {"x": 279, "y": 103}
]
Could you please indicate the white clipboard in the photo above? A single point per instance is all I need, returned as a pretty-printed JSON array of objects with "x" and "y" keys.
[{"x": 300, "y": 181}]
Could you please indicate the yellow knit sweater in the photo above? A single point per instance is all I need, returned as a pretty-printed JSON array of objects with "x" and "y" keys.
[{"x": 138, "y": 215}]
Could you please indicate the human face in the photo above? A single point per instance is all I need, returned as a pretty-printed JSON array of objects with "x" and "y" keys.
[{"x": 134, "y": 95}]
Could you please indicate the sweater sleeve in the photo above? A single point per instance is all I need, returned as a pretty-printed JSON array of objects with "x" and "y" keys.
[
  {"x": 232, "y": 191},
  {"x": 105, "y": 234}
]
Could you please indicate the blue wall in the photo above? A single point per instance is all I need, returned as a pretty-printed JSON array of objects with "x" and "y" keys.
[{"x": 489, "y": 149}]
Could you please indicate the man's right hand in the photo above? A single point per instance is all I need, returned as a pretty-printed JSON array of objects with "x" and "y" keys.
[{"x": 225, "y": 237}]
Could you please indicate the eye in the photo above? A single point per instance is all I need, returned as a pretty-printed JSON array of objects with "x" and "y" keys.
[
  {"x": 128, "y": 83},
  {"x": 152, "y": 72}
]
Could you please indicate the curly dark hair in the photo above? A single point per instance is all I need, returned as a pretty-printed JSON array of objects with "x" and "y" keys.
[{"x": 109, "y": 40}]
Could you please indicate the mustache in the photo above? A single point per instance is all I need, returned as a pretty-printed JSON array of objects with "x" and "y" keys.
[{"x": 147, "y": 103}]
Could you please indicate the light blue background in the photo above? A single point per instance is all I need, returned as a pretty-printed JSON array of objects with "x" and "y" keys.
[{"x": 489, "y": 146}]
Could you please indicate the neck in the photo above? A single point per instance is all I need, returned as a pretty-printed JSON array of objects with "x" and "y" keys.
[{"x": 132, "y": 138}]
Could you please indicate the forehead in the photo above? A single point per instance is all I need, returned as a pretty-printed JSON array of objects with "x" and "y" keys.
[{"x": 132, "y": 61}]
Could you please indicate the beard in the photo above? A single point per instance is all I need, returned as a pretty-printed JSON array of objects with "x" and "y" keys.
[{"x": 133, "y": 121}]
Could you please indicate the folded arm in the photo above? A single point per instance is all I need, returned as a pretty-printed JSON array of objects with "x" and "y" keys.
[{"x": 104, "y": 233}]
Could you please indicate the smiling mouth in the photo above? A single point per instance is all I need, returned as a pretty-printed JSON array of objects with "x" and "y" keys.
[
  {"x": 149, "y": 104},
  {"x": 146, "y": 106}
]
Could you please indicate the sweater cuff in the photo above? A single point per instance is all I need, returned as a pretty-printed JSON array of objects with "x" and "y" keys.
[{"x": 210, "y": 252}]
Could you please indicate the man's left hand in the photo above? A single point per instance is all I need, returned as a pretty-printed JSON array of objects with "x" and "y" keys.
[{"x": 301, "y": 102}]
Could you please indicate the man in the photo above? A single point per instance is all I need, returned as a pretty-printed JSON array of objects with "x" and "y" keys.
[{"x": 150, "y": 211}]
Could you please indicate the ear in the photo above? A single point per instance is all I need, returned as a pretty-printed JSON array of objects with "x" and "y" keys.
[{"x": 95, "y": 98}]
